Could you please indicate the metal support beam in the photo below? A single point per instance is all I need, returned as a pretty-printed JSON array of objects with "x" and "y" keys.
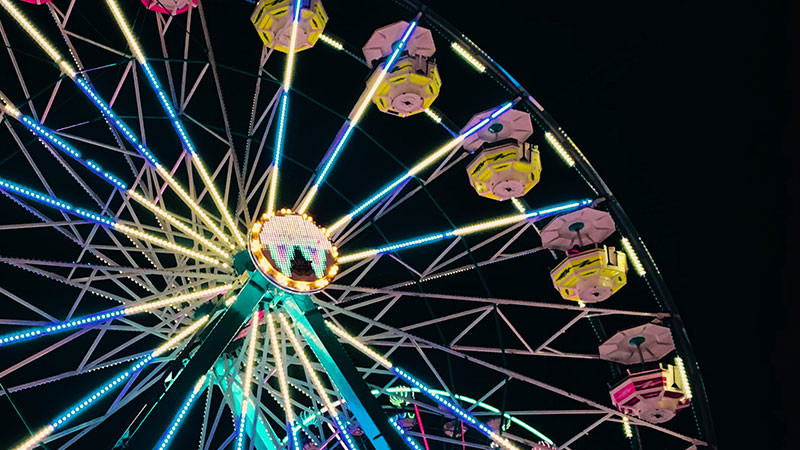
[
  {"x": 341, "y": 370},
  {"x": 206, "y": 354}
]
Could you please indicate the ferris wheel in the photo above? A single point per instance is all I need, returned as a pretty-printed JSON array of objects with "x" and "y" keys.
[{"x": 308, "y": 224}]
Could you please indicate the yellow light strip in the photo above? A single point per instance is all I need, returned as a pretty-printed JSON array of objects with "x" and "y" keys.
[
  {"x": 36, "y": 439},
  {"x": 137, "y": 52},
  {"x": 11, "y": 110},
  {"x": 231, "y": 300},
  {"x": 462, "y": 52},
  {"x": 482, "y": 226},
  {"x": 251, "y": 355},
  {"x": 177, "y": 223},
  {"x": 37, "y": 36},
  {"x": 687, "y": 390},
  {"x": 177, "y": 299},
  {"x": 126, "y": 30},
  {"x": 175, "y": 340},
  {"x": 332, "y": 42},
  {"x": 312, "y": 192},
  {"x": 130, "y": 231},
  {"x": 287, "y": 401},
  {"x": 633, "y": 257},
  {"x": 419, "y": 167},
  {"x": 518, "y": 204},
  {"x": 201, "y": 169},
  {"x": 194, "y": 206},
  {"x": 435, "y": 117},
  {"x": 290, "y": 55},
  {"x": 559, "y": 148},
  {"x": 626, "y": 427},
  {"x": 307, "y": 366},
  {"x": 355, "y": 343}
]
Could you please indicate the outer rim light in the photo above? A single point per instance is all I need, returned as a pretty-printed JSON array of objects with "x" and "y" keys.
[{"x": 276, "y": 276}]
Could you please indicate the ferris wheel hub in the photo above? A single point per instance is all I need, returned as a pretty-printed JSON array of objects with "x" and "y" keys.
[{"x": 293, "y": 252}]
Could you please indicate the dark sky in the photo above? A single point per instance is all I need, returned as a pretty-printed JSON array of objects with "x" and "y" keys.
[{"x": 683, "y": 107}]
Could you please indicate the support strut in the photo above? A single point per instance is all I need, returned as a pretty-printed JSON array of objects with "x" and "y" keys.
[
  {"x": 150, "y": 430},
  {"x": 341, "y": 370}
]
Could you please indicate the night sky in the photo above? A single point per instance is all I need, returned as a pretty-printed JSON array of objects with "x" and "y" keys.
[{"x": 685, "y": 111}]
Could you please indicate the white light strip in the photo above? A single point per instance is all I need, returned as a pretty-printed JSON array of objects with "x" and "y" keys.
[
  {"x": 276, "y": 159},
  {"x": 559, "y": 148},
  {"x": 435, "y": 117},
  {"x": 331, "y": 42},
  {"x": 279, "y": 367},
  {"x": 248, "y": 378},
  {"x": 290, "y": 55},
  {"x": 137, "y": 52},
  {"x": 175, "y": 340},
  {"x": 430, "y": 159},
  {"x": 204, "y": 175},
  {"x": 355, "y": 116},
  {"x": 163, "y": 243},
  {"x": 194, "y": 206},
  {"x": 357, "y": 344},
  {"x": 126, "y": 30},
  {"x": 468, "y": 57},
  {"x": 348, "y": 440},
  {"x": 37, "y": 36},
  {"x": 463, "y": 231},
  {"x": 149, "y": 306},
  {"x": 36, "y": 439},
  {"x": 633, "y": 257},
  {"x": 518, "y": 205},
  {"x": 626, "y": 427},
  {"x": 687, "y": 390},
  {"x": 177, "y": 223}
]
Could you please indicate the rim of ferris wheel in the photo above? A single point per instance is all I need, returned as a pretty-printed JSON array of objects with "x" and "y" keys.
[
  {"x": 581, "y": 228},
  {"x": 504, "y": 79},
  {"x": 638, "y": 345},
  {"x": 514, "y": 124}
]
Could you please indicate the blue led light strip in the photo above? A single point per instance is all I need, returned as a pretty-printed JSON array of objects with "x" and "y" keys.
[
  {"x": 176, "y": 422},
  {"x": 9, "y": 186},
  {"x": 430, "y": 159},
  {"x": 45, "y": 199},
  {"x": 177, "y": 124},
  {"x": 350, "y": 124},
  {"x": 112, "y": 313},
  {"x": 278, "y": 154},
  {"x": 51, "y": 137},
  {"x": 402, "y": 432},
  {"x": 463, "y": 231},
  {"x": 462, "y": 414},
  {"x": 115, "y": 121},
  {"x": 59, "y": 327},
  {"x": 37, "y": 438}
]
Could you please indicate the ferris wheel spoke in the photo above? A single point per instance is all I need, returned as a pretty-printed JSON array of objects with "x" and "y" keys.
[
  {"x": 249, "y": 189},
  {"x": 354, "y": 118},
  {"x": 254, "y": 123},
  {"x": 108, "y": 315},
  {"x": 463, "y": 231},
  {"x": 430, "y": 159},
  {"x": 176, "y": 422},
  {"x": 347, "y": 443},
  {"x": 512, "y": 374},
  {"x": 175, "y": 120},
  {"x": 40, "y": 436},
  {"x": 82, "y": 83}
]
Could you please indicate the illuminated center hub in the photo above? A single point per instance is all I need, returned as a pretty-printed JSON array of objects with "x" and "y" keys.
[{"x": 293, "y": 252}]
